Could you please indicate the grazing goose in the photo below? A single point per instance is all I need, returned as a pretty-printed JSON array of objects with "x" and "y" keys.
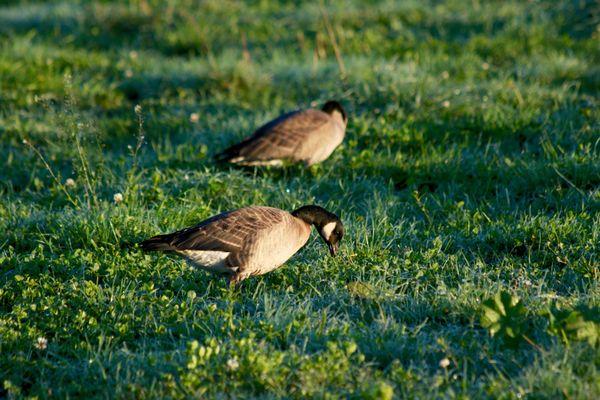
[
  {"x": 249, "y": 241},
  {"x": 308, "y": 136}
]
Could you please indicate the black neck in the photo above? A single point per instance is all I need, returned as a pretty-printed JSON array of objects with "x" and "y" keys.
[
  {"x": 332, "y": 106},
  {"x": 313, "y": 215}
]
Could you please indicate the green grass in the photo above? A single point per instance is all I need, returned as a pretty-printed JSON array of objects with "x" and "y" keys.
[{"x": 471, "y": 165}]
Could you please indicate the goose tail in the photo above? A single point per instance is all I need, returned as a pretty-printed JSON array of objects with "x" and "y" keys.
[
  {"x": 157, "y": 243},
  {"x": 228, "y": 155}
]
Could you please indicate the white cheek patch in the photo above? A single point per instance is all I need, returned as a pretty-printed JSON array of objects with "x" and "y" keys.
[{"x": 327, "y": 229}]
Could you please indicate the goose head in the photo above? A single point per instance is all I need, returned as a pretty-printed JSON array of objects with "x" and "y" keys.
[
  {"x": 336, "y": 111},
  {"x": 328, "y": 224}
]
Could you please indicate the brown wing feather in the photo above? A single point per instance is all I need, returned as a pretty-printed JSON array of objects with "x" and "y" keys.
[
  {"x": 229, "y": 231},
  {"x": 281, "y": 138}
]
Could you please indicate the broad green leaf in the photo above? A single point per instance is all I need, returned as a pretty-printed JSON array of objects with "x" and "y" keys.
[{"x": 504, "y": 316}]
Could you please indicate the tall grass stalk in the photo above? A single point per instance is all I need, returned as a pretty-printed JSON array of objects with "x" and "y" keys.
[
  {"x": 53, "y": 175},
  {"x": 76, "y": 127},
  {"x": 333, "y": 41}
]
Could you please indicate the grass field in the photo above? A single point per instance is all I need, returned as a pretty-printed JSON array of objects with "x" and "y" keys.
[{"x": 471, "y": 166}]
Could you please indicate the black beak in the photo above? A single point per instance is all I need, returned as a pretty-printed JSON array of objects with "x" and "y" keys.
[{"x": 333, "y": 248}]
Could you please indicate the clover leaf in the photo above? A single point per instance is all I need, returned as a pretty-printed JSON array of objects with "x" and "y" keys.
[
  {"x": 574, "y": 325},
  {"x": 504, "y": 316}
]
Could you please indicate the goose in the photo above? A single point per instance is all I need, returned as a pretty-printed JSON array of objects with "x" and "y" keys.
[
  {"x": 308, "y": 136},
  {"x": 249, "y": 241}
]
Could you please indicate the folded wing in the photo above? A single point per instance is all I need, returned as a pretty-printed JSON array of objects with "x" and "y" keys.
[
  {"x": 227, "y": 232},
  {"x": 278, "y": 140}
]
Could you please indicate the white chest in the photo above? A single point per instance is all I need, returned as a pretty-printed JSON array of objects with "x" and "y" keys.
[
  {"x": 277, "y": 248},
  {"x": 325, "y": 147}
]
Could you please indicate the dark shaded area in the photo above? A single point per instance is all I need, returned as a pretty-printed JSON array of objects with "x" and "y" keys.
[{"x": 579, "y": 18}]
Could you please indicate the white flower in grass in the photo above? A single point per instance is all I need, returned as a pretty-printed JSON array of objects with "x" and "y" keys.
[
  {"x": 445, "y": 104},
  {"x": 41, "y": 343},
  {"x": 444, "y": 363},
  {"x": 118, "y": 198},
  {"x": 485, "y": 66},
  {"x": 233, "y": 364},
  {"x": 70, "y": 183},
  {"x": 194, "y": 118},
  {"x": 137, "y": 109}
]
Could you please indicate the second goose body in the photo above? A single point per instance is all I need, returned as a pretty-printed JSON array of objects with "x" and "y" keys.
[
  {"x": 308, "y": 136},
  {"x": 249, "y": 241}
]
